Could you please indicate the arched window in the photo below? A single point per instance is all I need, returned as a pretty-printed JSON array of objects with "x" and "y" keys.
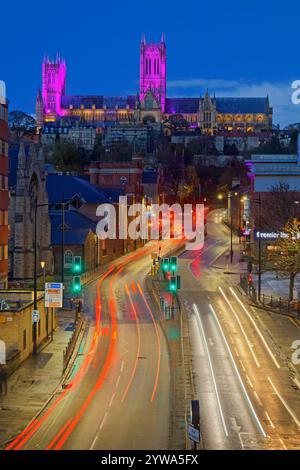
[{"x": 68, "y": 261}]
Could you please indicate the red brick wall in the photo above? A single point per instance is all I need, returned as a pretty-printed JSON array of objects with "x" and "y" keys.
[{"x": 3, "y": 196}]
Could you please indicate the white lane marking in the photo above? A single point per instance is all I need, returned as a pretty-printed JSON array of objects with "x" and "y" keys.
[
  {"x": 236, "y": 352},
  {"x": 257, "y": 398},
  {"x": 118, "y": 381},
  {"x": 284, "y": 403},
  {"x": 241, "y": 327},
  {"x": 200, "y": 326},
  {"x": 122, "y": 366},
  {"x": 100, "y": 428},
  {"x": 269, "y": 419},
  {"x": 111, "y": 400},
  {"x": 249, "y": 381},
  {"x": 257, "y": 329},
  {"x": 237, "y": 373},
  {"x": 243, "y": 367},
  {"x": 283, "y": 444}
]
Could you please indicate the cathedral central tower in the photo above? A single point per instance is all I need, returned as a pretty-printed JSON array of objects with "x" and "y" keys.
[{"x": 153, "y": 70}]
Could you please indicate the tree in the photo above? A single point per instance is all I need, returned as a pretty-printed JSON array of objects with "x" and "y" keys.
[
  {"x": 67, "y": 156},
  {"x": 286, "y": 255},
  {"x": 272, "y": 147}
]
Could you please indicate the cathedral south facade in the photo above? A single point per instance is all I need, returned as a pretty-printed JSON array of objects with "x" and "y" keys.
[{"x": 210, "y": 114}]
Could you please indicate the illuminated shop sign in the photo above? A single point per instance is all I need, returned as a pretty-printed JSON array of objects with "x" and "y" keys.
[{"x": 275, "y": 235}]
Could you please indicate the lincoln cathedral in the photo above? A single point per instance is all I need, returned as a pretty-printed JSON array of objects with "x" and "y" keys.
[{"x": 209, "y": 113}]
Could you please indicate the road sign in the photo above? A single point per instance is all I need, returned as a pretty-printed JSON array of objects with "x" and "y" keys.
[
  {"x": 35, "y": 316},
  {"x": 193, "y": 433},
  {"x": 54, "y": 294}
]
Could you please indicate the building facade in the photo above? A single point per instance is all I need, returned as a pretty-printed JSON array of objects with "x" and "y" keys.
[
  {"x": 78, "y": 134},
  {"x": 151, "y": 103},
  {"x": 27, "y": 185},
  {"x": 3, "y": 187}
]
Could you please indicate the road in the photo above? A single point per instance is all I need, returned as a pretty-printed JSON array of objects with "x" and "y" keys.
[
  {"x": 247, "y": 398},
  {"x": 119, "y": 394}
]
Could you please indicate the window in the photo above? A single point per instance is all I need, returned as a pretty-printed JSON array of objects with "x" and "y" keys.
[{"x": 68, "y": 259}]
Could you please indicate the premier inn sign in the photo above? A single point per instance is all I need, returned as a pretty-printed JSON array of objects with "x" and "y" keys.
[{"x": 275, "y": 235}]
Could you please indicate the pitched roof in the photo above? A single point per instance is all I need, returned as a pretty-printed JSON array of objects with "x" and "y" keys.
[
  {"x": 98, "y": 101},
  {"x": 77, "y": 237},
  {"x": 77, "y": 227},
  {"x": 242, "y": 105},
  {"x": 224, "y": 105},
  {"x": 64, "y": 186},
  {"x": 182, "y": 105}
]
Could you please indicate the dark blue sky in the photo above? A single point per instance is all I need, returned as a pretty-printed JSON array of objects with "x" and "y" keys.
[{"x": 232, "y": 47}]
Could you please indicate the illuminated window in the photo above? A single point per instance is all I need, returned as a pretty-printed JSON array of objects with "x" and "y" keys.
[{"x": 68, "y": 261}]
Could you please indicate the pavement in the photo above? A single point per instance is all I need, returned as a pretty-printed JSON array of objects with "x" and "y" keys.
[
  {"x": 36, "y": 378},
  {"x": 244, "y": 382}
]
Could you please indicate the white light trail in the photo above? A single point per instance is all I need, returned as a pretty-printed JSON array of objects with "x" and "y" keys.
[
  {"x": 238, "y": 374},
  {"x": 201, "y": 329}
]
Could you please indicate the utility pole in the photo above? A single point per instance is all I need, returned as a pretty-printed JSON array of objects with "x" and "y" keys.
[
  {"x": 259, "y": 248},
  {"x": 231, "y": 228},
  {"x": 62, "y": 245}
]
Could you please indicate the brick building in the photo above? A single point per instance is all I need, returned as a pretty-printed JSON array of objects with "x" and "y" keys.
[{"x": 3, "y": 187}]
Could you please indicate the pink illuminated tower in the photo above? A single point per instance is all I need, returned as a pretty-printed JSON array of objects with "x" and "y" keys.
[
  {"x": 153, "y": 70},
  {"x": 54, "y": 85}
]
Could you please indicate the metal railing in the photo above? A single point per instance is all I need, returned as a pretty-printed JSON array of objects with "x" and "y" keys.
[{"x": 271, "y": 302}]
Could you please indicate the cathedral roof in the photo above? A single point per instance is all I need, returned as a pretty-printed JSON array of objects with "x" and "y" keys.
[
  {"x": 99, "y": 101},
  {"x": 224, "y": 105},
  {"x": 242, "y": 105},
  {"x": 182, "y": 105}
]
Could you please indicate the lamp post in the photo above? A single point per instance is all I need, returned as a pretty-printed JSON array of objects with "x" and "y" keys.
[
  {"x": 230, "y": 194},
  {"x": 34, "y": 331},
  {"x": 36, "y": 206},
  {"x": 43, "y": 264}
]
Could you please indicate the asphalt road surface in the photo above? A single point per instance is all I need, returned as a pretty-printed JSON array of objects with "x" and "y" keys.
[
  {"x": 247, "y": 398},
  {"x": 119, "y": 394}
]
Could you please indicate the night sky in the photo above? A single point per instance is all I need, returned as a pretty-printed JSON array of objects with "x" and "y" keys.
[{"x": 234, "y": 48}]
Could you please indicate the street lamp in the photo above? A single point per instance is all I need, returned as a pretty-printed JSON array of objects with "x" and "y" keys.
[
  {"x": 230, "y": 195},
  {"x": 43, "y": 264}
]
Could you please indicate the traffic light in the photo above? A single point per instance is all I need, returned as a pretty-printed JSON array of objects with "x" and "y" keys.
[
  {"x": 173, "y": 263},
  {"x": 76, "y": 286},
  {"x": 173, "y": 284},
  {"x": 77, "y": 265},
  {"x": 165, "y": 264},
  {"x": 178, "y": 282}
]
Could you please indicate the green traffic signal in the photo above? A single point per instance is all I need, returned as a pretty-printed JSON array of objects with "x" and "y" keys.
[
  {"x": 173, "y": 263},
  {"x": 165, "y": 264},
  {"x": 173, "y": 284},
  {"x": 76, "y": 284},
  {"x": 77, "y": 265}
]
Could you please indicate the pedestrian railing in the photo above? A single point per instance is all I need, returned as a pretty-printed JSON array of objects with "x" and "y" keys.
[
  {"x": 67, "y": 354},
  {"x": 272, "y": 302}
]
